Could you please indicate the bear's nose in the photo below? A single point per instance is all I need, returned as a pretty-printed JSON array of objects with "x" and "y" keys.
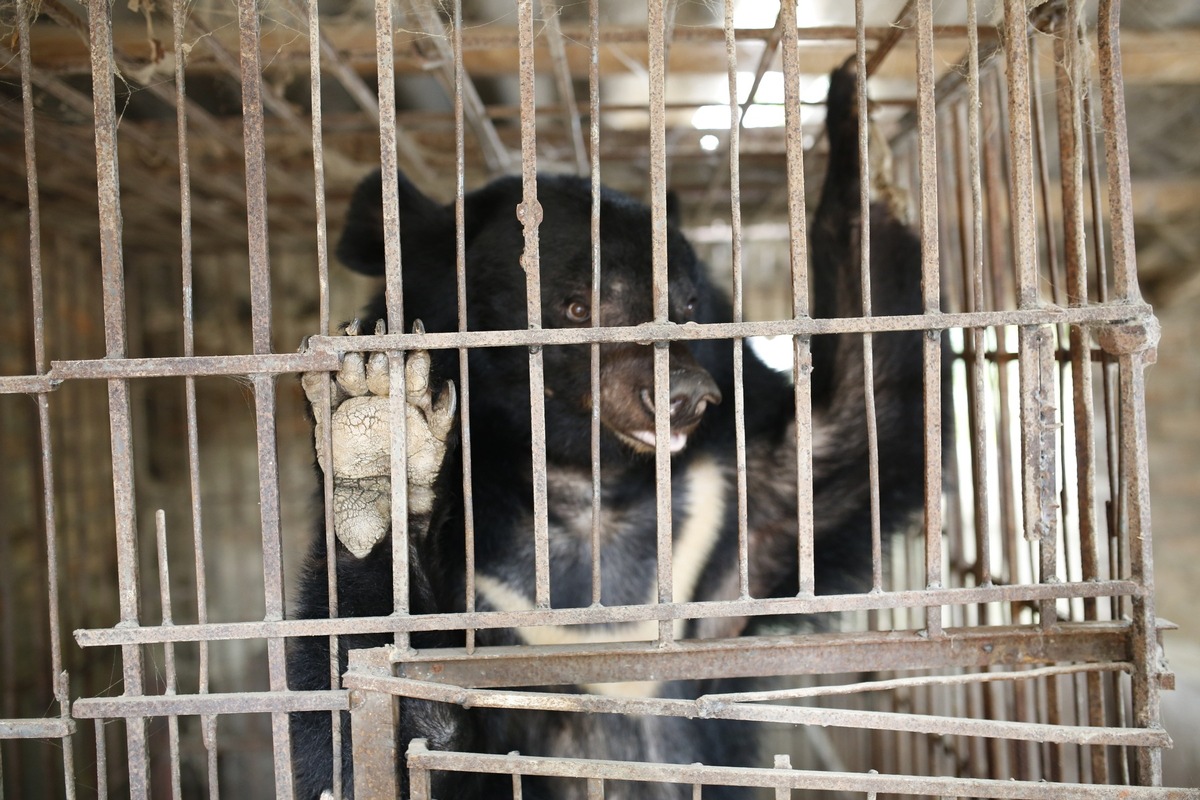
[{"x": 691, "y": 392}]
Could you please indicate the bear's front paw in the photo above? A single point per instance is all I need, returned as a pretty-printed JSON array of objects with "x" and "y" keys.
[{"x": 360, "y": 432}]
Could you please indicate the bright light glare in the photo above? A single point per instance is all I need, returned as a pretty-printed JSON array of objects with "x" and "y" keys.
[
  {"x": 711, "y": 118},
  {"x": 755, "y": 13},
  {"x": 716, "y": 118},
  {"x": 709, "y": 142}
]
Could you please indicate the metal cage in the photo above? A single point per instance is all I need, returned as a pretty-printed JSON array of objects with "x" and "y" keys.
[{"x": 1009, "y": 647}]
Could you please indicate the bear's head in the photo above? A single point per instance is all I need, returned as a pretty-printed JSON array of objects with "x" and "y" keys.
[{"x": 496, "y": 294}]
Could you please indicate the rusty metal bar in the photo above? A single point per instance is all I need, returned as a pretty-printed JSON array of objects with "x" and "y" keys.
[
  {"x": 318, "y": 44},
  {"x": 735, "y": 230},
  {"x": 162, "y": 705},
  {"x": 657, "y": 61},
  {"x": 1070, "y": 85},
  {"x": 323, "y": 351},
  {"x": 1048, "y": 551},
  {"x": 50, "y": 728},
  {"x": 398, "y": 450},
  {"x": 315, "y": 40},
  {"x": 101, "y": 762},
  {"x": 977, "y": 387},
  {"x": 464, "y": 373},
  {"x": 321, "y": 354},
  {"x": 394, "y": 300},
  {"x": 928, "y": 724},
  {"x": 1016, "y": 646},
  {"x": 913, "y": 598},
  {"x": 420, "y": 758},
  {"x": 1135, "y": 496},
  {"x": 373, "y": 725},
  {"x": 264, "y": 384},
  {"x": 325, "y": 445},
  {"x": 562, "y": 79},
  {"x": 418, "y": 776},
  {"x": 864, "y": 267},
  {"x": 928, "y": 680},
  {"x": 1035, "y": 344},
  {"x": 164, "y": 593},
  {"x": 594, "y": 350},
  {"x": 802, "y": 344},
  {"x": 1146, "y": 685},
  {"x": 529, "y": 213},
  {"x": 1116, "y": 148},
  {"x": 58, "y": 678},
  {"x": 207, "y": 724},
  {"x": 208, "y": 728},
  {"x": 119, "y": 413},
  {"x": 931, "y": 302}
]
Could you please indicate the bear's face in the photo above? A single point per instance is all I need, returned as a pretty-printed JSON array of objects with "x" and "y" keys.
[
  {"x": 497, "y": 300},
  {"x": 497, "y": 292}
]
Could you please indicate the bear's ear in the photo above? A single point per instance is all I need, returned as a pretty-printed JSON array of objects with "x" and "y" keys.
[
  {"x": 361, "y": 247},
  {"x": 674, "y": 212}
]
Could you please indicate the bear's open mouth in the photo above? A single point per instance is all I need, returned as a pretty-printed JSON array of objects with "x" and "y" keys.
[{"x": 643, "y": 441}]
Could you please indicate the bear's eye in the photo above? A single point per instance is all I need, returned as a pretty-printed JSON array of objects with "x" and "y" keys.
[
  {"x": 689, "y": 310},
  {"x": 578, "y": 311}
]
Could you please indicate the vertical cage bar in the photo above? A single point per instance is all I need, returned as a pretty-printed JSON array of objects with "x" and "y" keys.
[
  {"x": 418, "y": 776},
  {"x": 981, "y": 475},
  {"x": 1035, "y": 348},
  {"x": 120, "y": 423},
  {"x": 1070, "y": 84},
  {"x": 58, "y": 677},
  {"x": 164, "y": 593},
  {"x": 594, "y": 349},
  {"x": 373, "y": 729},
  {"x": 656, "y": 45},
  {"x": 385, "y": 64},
  {"x": 324, "y": 425},
  {"x": 529, "y": 212},
  {"x": 864, "y": 266},
  {"x": 802, "y": 346},
  {"x": 735, "y": 228},
  {"x": 264, "y": 385},
  {"x": 207, "y": 723},
  {"x": 318, "y": 145},
  {"x": 314, "y": 69},
  {"x": 101, "y": 762},
  {"x": 254, "y": 136},
  {"x": 460, "y": 268},
  {"x": 394, "y": 300},
  {"x": 1135, "y": 494},
  {"x": 1116, "y": 145},
  {"x": 1049, "y": 550},
  {"x": 931, "y": 302}
]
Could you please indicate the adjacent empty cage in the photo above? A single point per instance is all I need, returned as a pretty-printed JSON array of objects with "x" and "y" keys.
[{"x": 157, "y": 461}]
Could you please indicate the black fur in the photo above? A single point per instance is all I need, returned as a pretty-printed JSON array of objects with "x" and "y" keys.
[{"x": 501, "y": 450}]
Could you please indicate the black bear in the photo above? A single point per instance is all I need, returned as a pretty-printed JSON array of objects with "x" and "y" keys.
[{"x": 703, "y": 472}]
